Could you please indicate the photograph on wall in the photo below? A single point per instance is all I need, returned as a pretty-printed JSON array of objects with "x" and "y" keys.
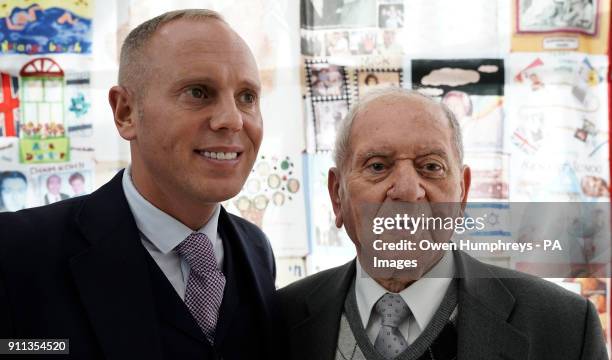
[
  {"x": 46, "y": 27},
  {"x": 15, "y": 189},
  {"x": 327, "y": 116},
  {"x": 558, "y": 25},
  {"x": 368, "y": 79},
  {"x": 326, "y": 80},
  {"x": 391, "y": 15},
  {"x": 312, "y": 43},
  {"x": 363, "y": 42},
  {"x": 541, "y": 16},
  {"x": 337, "y": 43},
  {"x": 57, "y": 183},
  {"x": 326, "y": 14}
]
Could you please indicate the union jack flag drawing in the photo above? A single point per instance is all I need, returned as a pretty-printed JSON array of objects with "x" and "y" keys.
[{"x": 9, "y": 105}]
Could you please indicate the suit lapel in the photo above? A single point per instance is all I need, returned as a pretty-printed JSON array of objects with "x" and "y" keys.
[
  {"x": 112, "y": 277},
  {"x": 256, "y": 275},
  {"x": 324, "y": 306},
  {"x": 484, "y": 308}
]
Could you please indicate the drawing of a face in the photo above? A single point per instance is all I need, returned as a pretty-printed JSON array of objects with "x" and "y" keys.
[{"x": 459, "y": 103}]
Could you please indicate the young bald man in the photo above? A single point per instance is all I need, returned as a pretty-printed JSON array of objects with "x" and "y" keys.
[{"x": 150, "y": 266}]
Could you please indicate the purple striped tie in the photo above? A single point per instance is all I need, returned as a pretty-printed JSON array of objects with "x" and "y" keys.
[{"x": 205, "y": 285}]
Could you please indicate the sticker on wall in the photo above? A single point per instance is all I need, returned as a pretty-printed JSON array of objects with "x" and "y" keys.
[{"x": 46, "y": 27}]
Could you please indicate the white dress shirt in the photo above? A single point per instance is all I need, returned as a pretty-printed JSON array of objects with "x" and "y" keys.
[
  {"x": 160, "y": 233},
  {"x": 423, "y": 297}
]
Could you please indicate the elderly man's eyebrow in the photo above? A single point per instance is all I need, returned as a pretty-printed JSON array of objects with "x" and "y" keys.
[
  {"x": 362, "y": 156},
  {"x": 436, "y": 151}
]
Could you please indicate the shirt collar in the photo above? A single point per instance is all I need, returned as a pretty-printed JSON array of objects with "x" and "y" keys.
[
  {"x": 423, "y": 297},
  {"x": 161, "y": 229}
]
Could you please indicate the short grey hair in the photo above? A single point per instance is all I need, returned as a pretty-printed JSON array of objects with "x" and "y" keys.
[
  {"x": 343, "y": 133},
  {"x": 132, "y": 62}
]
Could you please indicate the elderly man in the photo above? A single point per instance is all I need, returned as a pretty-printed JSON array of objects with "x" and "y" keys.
[
  {"x": 397, "y": 149},
  {"x": 150, "y": 266}
]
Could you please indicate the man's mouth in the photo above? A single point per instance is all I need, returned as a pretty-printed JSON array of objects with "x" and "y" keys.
[{"x": 219, "y": 155}]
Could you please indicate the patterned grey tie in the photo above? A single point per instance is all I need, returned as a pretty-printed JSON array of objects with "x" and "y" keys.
[
  {"x": 205, "y": 285},
  {"x": 393, "y": 311}
]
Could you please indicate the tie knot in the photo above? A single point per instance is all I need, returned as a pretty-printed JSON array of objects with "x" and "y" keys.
[
  {"x": 392, "y": 309},
  {"x": 197, "y": 250}
]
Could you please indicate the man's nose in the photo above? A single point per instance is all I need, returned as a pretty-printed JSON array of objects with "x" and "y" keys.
[
  {"x": 407, "y": 184},
  {"x": 227, "y": 115}
]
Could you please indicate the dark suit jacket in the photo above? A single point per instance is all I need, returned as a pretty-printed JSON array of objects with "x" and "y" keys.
[
  {"x": 77, "y": 269},
  {"x": 502, "y": 315}
]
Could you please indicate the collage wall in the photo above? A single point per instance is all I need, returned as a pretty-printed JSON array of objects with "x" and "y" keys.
[{"x": 527, "y": 79}]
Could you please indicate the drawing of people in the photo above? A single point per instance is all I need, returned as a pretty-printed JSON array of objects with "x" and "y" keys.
[{"x": 459, "y": 103}]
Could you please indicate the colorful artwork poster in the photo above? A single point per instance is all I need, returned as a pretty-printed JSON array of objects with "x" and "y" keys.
[
  {"x": 580, "y": 25},
  {"x": 329, "y": 14},
  {"x": 46, "y": 27},
  {"x": 330, "y": 246},
  {"x": 557, "y": 127},
  {"x": 473, "y": 89},
  {"x": 273, "y": 199}
]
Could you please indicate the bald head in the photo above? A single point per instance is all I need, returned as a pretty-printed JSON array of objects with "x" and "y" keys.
[{"x": 134, "y": 62}]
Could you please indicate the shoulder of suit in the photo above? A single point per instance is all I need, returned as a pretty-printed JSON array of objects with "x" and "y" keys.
[
  {"x": 35, "y": 226},
  {"x": 534, "y": 291}
]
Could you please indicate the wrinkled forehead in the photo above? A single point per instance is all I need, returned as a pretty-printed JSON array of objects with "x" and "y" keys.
[{"x": 413, "y": 111}]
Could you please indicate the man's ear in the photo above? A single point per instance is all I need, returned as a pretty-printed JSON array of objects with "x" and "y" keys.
[
  {"x": 466, "y": 179},
  {"x": 333, "y": 186},
  {"x": 123, "y": 106}
]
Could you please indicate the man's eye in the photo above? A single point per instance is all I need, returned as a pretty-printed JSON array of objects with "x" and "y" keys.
[
  {"x": 197, "y": 92},
  {"x": 377, "y": 167},
  {"x": 247, "y": 97},
  {"x": 433, "y": 167}
]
